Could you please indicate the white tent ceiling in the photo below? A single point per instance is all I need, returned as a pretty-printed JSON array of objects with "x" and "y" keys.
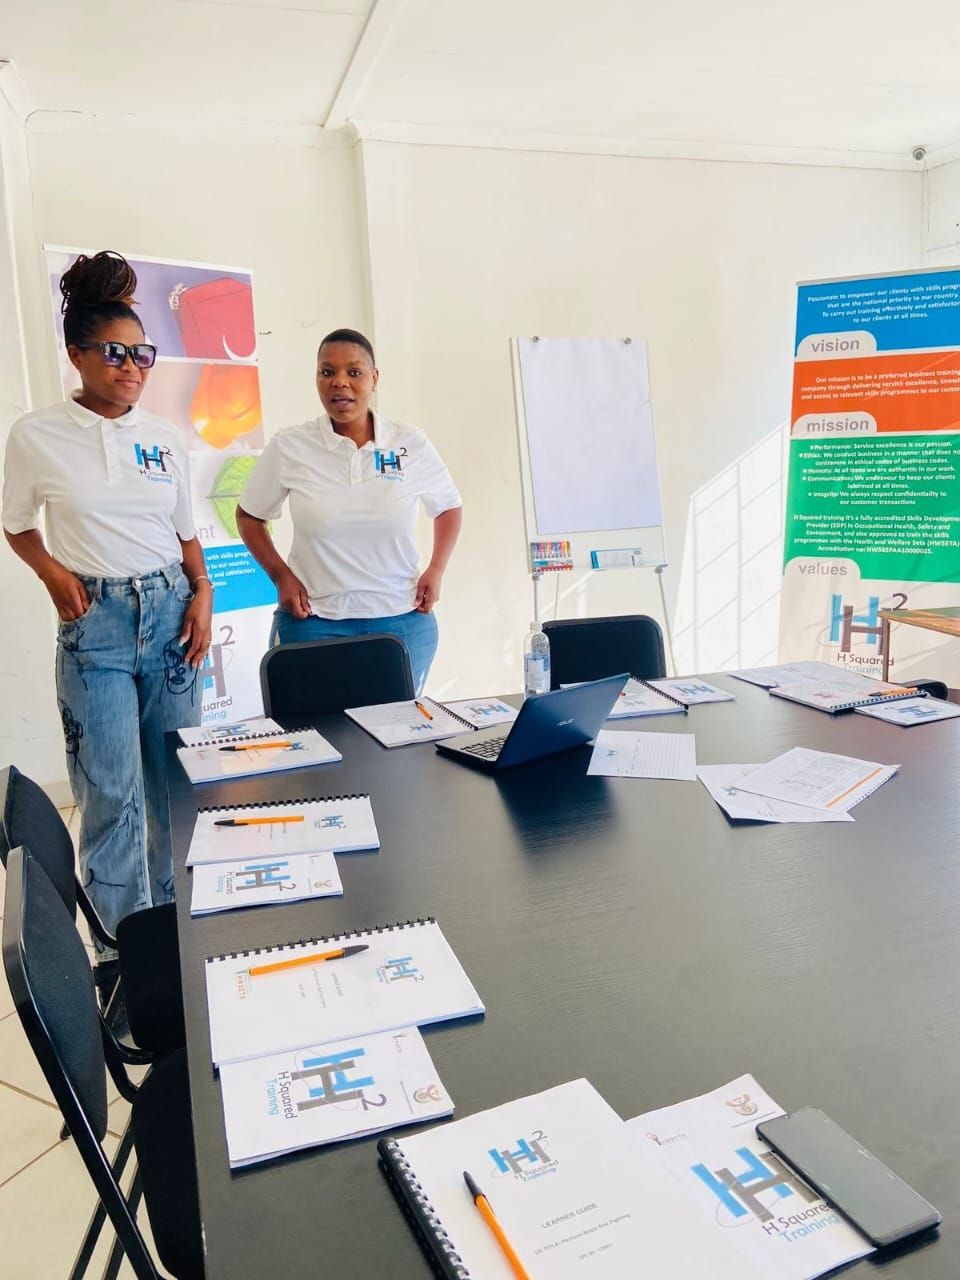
[{"x": 870, "y": 79}]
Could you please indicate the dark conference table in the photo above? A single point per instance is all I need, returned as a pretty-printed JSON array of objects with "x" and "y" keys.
[{"x": 625, "y": 931}]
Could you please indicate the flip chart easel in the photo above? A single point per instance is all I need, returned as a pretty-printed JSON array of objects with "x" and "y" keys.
[{"x": 588, "y": 460}]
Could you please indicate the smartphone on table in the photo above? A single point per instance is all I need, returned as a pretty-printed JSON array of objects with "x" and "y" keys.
[{"x": 871, "y": 1196}]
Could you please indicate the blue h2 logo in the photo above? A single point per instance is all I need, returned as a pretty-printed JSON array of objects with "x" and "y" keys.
[
  {"x": 844, "y": 622},
  {"x": 256, "y": 875},
  {"x": 387, "y": 462},
  {"x": 739, "y": 1193},
  {"x": 147, "y": 458},
  {"x": 402, "y": 967},
  {"x": 332, "y": 1084},
  {"x": 528, "y": 1153}
]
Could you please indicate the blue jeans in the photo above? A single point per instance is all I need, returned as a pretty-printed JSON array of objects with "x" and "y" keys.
[
  {"x": 418, "y": 631},
  {"x": 122, "y": 684}
]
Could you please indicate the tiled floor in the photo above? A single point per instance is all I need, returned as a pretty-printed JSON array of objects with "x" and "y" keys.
[{"x": 46, "y": 1196}]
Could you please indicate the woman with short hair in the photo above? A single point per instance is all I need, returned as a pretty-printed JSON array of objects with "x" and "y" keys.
[{"x": 355, "y": 481}]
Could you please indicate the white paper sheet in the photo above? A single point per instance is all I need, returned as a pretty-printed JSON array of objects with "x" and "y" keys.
[
  {"x": 818, "y": 779},
  {"x": 722, "y": 780},
  {"x": 621, "y": 754},
  {"x": 783, "y": 673},
  {"x": 752, "y": 1202}
]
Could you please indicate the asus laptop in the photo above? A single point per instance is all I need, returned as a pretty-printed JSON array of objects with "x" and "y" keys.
[{"x": 550, "y": 723}]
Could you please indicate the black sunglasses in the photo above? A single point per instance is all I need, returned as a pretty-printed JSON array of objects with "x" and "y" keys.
[{"x": 143, "y": 354}]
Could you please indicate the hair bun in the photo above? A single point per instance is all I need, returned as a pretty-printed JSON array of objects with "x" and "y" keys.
[{"x": 91, "y": 282}]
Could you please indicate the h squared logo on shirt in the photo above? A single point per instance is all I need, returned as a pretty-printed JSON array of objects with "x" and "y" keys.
[
  {"x": 153, "y": 462},
  {"x": 388, "y": 465}
]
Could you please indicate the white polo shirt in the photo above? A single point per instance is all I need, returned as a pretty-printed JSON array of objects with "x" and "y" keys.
[
  {"x": 115, "y": 492},
  {"x": 354, "y": 512}
]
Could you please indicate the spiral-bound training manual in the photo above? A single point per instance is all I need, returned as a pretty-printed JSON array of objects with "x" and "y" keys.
[
  {"x": 571, "y": 1196},
  {"x": 207, "y": 735},
  {"x": 284, "y": 997},
  {"x": 398, "y": 724},
  {"x": 332, "y": 824},
  {"x": 257, "y": 753}
]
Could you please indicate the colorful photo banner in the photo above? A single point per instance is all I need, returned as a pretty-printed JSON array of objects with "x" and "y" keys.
[
  {"x": 206, "y": 383},
  {"x": 873, "y": 496}
]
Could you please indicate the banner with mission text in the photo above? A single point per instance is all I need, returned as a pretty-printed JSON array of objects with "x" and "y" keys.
[
  {"x": 873, "y": 493},
  {"x": 206, "y": 383}
]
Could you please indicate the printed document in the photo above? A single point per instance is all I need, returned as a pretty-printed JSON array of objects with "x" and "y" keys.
[
  {"x": 222, "y": 886},
  {"x": 327, "y": 1093},
  {"x": 818, "y": 778},
  {"x": 911, "y": 711},
  {"x": 339, "y": 824},
  {"x": 483, "y": 712},
  {"x": 722, "y": 781},
  {"x": 785, "y": 672},
  {"x": 622, "y": 754},
  {"x": 748, "y": 1198},
  {"x": 573, "y": 1196}
]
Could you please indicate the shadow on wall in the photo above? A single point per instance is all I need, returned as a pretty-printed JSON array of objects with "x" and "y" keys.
[{"x": 728, "y": 605}]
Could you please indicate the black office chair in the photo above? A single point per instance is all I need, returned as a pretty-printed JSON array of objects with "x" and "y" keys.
[
  {"x": 302, "y": 681},
  {"x": 146, "y": 941},
  {"x": 592, "y": 648},
  {"x": 53, "y": 992}
]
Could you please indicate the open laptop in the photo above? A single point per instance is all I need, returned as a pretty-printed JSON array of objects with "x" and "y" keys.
[{"x": 547, "y": 724}]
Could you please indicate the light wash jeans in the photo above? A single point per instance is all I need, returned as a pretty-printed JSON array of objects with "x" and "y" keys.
[
  {"x": 122, "y": 684},
  {"x": 418, "y": 631}
]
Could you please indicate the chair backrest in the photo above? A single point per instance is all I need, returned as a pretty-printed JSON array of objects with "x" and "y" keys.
[
  {"x": 592, "y": 648},
  {"x": 29, "y": 817},
  {"x": 312, "y": 679},
  {"x": 51, "y": 982},
  {"x": 52, "y": 986}
]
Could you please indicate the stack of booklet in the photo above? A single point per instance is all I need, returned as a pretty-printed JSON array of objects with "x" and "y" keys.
[
  {"x": 826, "y": 688},
  {"x": 247, "y": 855},
  {"x": 316, "y": 1040},
  {"x": 799, "y": 786},
  {"x": 576, "y": 1191}
]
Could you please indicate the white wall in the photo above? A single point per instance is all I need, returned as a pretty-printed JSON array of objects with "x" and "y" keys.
[
  {"x": 469, "y": 247},
  {"x": 30, "y": 732},
  {"x": 941, "y": 220},
  {"x": 287, "y": 209}
]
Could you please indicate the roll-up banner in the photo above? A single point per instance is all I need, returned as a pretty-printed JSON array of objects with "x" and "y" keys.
[
  {"x": 206, "y": 383},
  {"x": 873, "y": 494}
]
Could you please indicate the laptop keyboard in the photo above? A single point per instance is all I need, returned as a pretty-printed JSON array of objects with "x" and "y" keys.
[{"x": 488, "y": 750}]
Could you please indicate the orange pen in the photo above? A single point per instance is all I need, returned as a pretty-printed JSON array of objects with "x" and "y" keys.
[
  {"x": 340, "y": 954},
  {"x": 259, "y": 746},
  {"x": 422, "y": 709},
  {"x": 256, "y": 822},
  {"x": 490, "y": 1218}
]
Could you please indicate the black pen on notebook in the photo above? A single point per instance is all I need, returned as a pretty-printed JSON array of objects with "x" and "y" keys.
[{"x": 490, "y": 1218}]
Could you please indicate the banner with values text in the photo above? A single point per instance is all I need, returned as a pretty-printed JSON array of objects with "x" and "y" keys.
[{"x": 873, "y": 494}]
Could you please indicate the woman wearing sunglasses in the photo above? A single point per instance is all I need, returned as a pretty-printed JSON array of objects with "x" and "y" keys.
[
  {"x": 122, "y": 564},
  {"x": 355, "y": 482}
]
